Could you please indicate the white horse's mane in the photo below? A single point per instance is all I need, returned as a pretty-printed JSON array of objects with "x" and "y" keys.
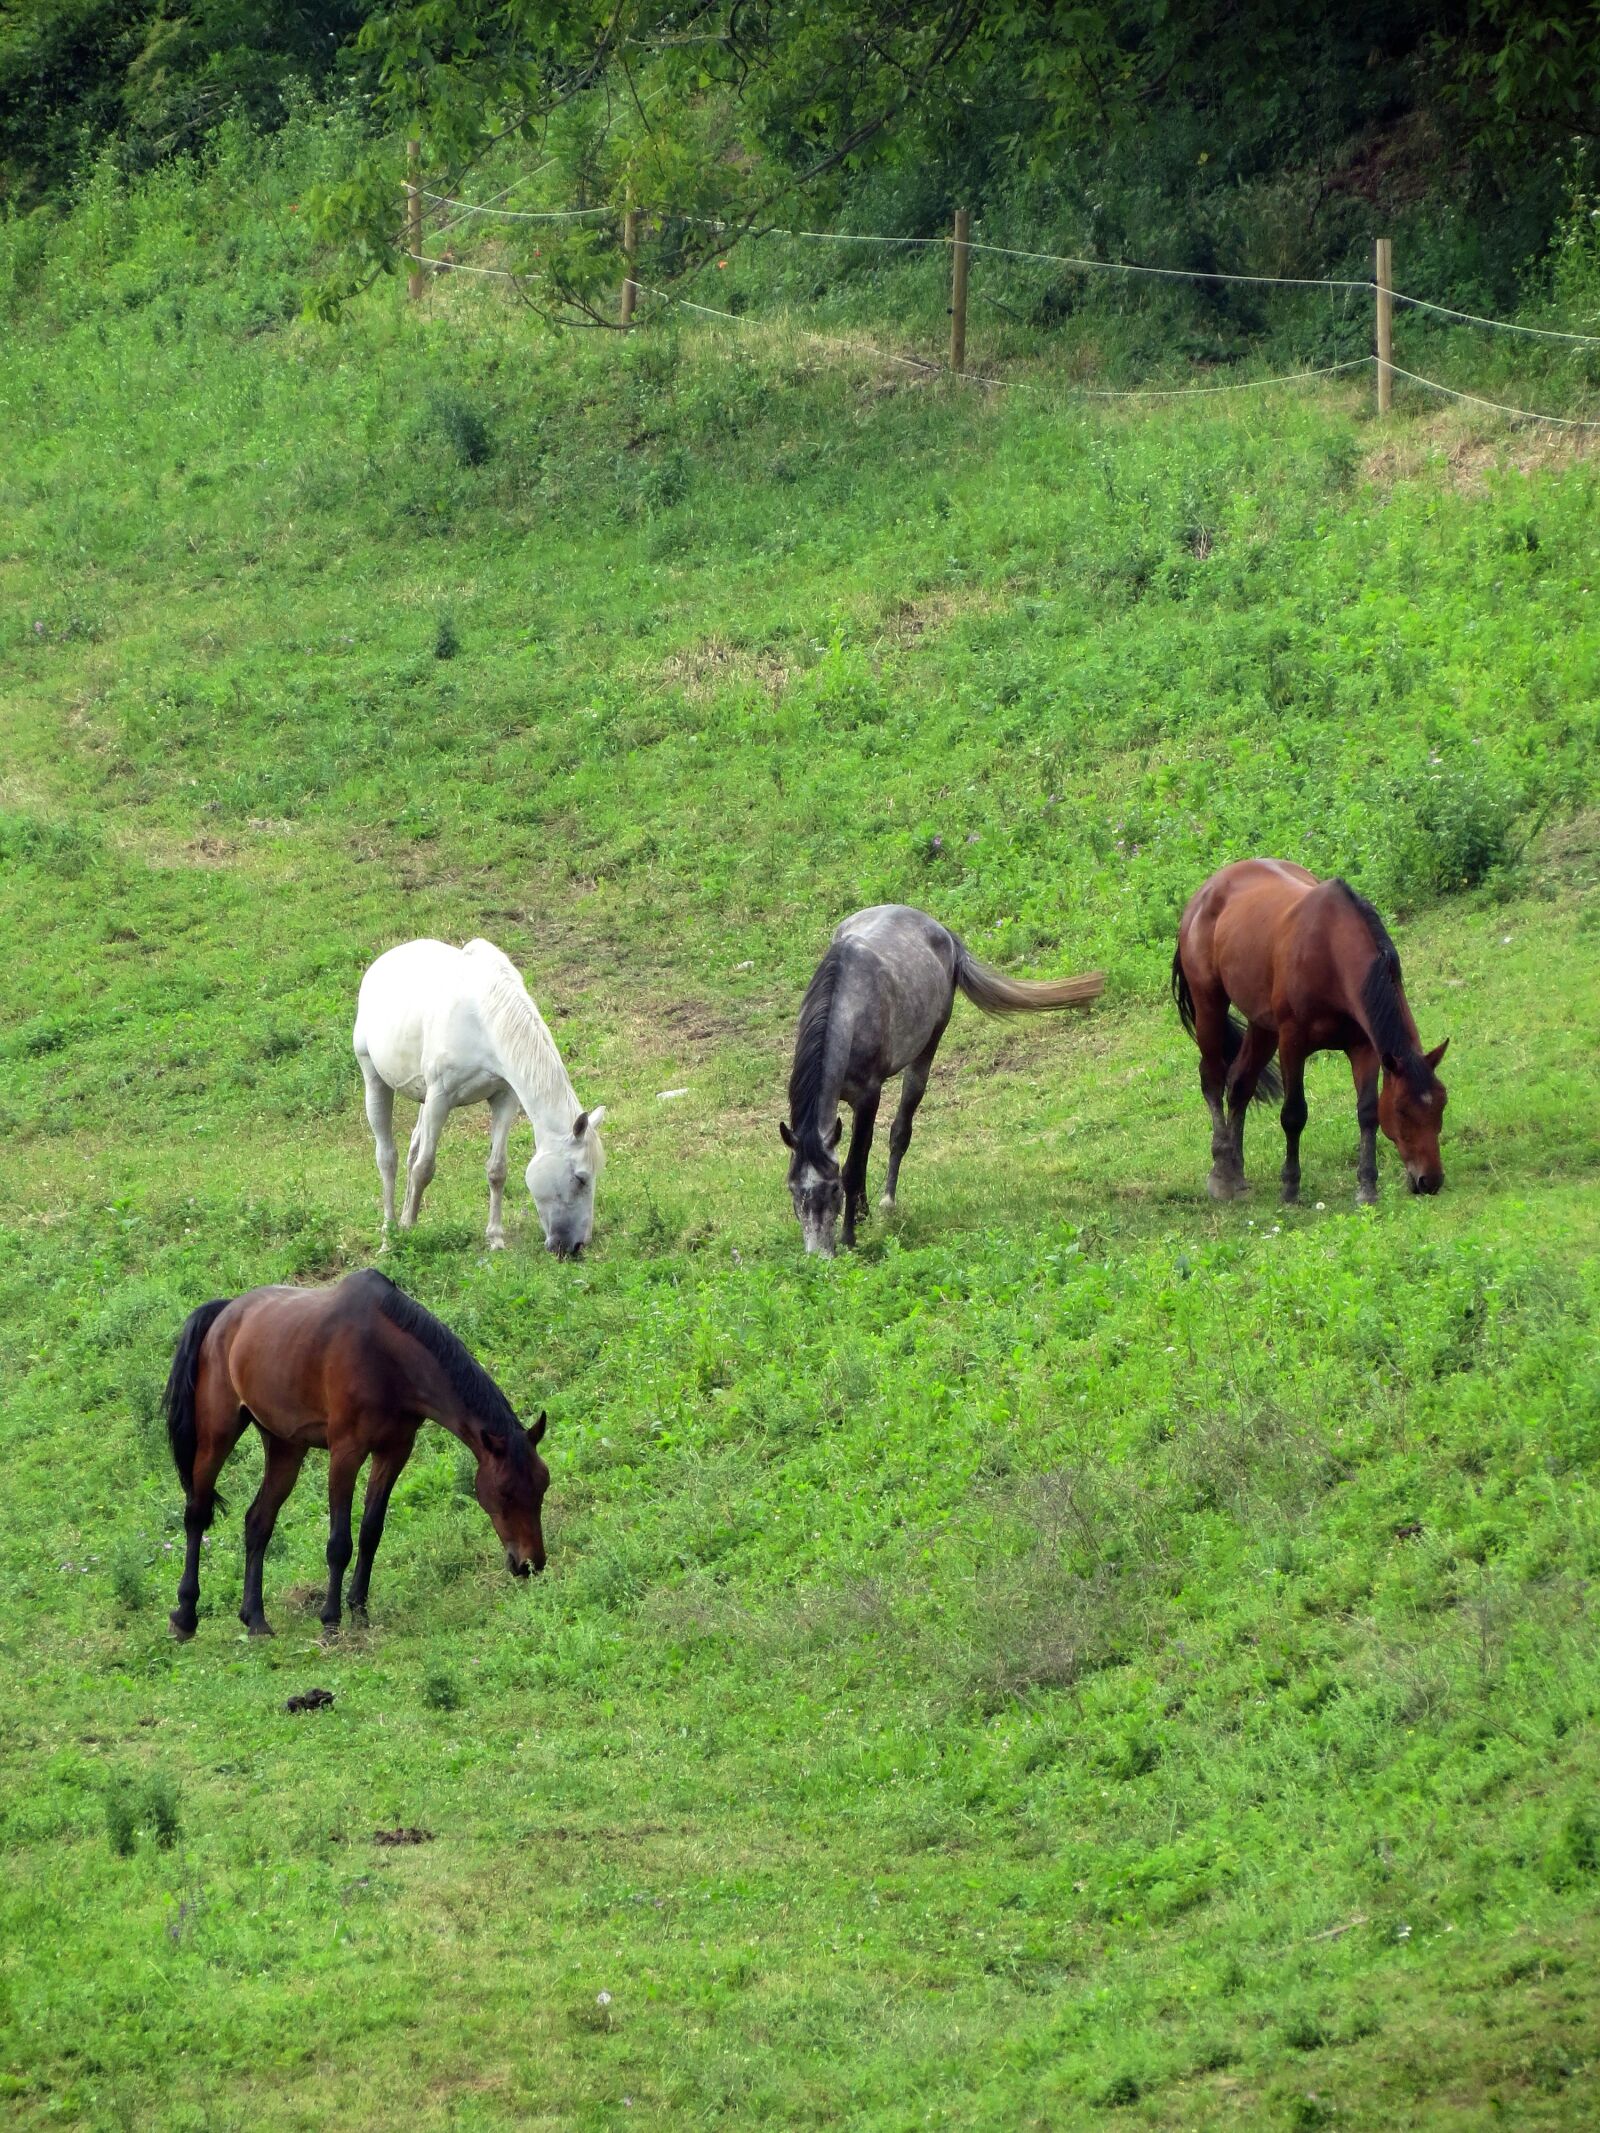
[{"x": 526, "y": 1046}]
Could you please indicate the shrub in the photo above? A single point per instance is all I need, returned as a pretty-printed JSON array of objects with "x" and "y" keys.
[
  {"x": 441, "y": 1691},
  {"x": 463, "y": 429},
  {"x": 1465, "y": 830},
  {"x": 127, "y": 1577},
  {"x": 161, "y": 1809},
  {"x": 122, "y": 1817}
]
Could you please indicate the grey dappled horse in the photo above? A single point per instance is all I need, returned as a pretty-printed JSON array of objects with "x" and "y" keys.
[{"x": 877, "y": 1006}]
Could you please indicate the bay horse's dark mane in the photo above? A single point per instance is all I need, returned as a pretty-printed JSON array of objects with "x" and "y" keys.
[
  {"x": 811, "y": 1056},
  {"x": 469, "y": 1381},
  {"x": 1380, "y": 996}
]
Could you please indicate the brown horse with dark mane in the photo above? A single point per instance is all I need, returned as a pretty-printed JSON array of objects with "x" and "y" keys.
[
  {"x": 1310, "y": 966},
  {"x": 355, "y": 1370}
]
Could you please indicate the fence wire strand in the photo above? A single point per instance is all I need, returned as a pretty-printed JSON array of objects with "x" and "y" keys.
[
  {"x": 1350, "y": 284},
  {"x": 1499, "y": 407},
  {"x": 1332, "y": 284}
]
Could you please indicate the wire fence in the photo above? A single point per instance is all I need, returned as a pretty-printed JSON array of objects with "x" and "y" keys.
[{"x": 961, "y": 244}]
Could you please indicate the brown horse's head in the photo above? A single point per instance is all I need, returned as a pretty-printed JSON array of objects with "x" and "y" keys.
[
  {"x": 1411, "y": 1110},
  {"x": 511, "y": 1485},
  {"x": 816, "y": 1185}
]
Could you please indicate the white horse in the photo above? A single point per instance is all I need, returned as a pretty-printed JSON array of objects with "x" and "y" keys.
[{"x": 449, "y": 1026}]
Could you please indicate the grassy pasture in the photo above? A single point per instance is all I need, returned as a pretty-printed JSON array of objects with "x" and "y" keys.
[{"x": 1092, "y": 1657}]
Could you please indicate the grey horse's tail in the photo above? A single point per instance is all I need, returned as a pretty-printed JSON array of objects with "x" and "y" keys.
[{"x": 998, "y": 995}]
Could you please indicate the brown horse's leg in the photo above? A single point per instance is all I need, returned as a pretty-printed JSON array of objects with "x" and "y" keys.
[
  {"x": 1226, "y": 1181},
  {"x": 219, "y": 1424},
  {"x": 382, "y": 1475},
  {"x": 1364, "y": 1066},
  {"x": 283, "y": 1463},
  {"x": 1251, "y": 1062},
  {"x": 855, "y": 1163},
  {"x": 1294, "y": 1114},
  {"x": 344, "y": 1464}
]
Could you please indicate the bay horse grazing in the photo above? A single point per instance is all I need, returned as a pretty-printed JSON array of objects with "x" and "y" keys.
[
  {"x": 354, "y": 1369},
  {"x": 877, "y": 1006},
  {"x": 451, "y": 1026},
  {"x": 1310, "y": 966}
]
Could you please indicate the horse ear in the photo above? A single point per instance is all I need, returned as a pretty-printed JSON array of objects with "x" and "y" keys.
[
  {"x": 784, "y": 1134},
  {"x": 580, "y": 1125},
  {"x": 1437, "y": 1054},
  {"x": 833, "y": 1138},
  {"x": 597, "y": 1117},
  {"x": 538, "y": 1429}
]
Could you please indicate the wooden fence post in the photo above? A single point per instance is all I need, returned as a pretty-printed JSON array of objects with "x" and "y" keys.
[
  {"x": 417, "y": 280},
  {"x": 630, "y": 250},
  {"x": 958, "y": 291},
  {"x": 1383, "y": 280}
]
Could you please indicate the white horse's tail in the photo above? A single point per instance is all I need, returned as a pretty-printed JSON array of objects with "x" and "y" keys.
[{"x": 527, "y": 1049}]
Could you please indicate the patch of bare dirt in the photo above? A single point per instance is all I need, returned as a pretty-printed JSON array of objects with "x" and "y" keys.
[
  {"x": 167, "y": 855},
  {"x": 704, "y": 670},
  {"x": 909, "y": 620}
]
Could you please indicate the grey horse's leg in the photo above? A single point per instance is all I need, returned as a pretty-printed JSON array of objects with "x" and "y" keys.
[
  {"x": 855, "y": 1163},
  {"x": 913, "y": 1087}
]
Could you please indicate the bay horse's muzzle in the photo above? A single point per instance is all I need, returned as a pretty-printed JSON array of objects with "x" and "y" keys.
[
  {"x": 522, "y": 1566},
  {"x": 1427, "y": 1183}
]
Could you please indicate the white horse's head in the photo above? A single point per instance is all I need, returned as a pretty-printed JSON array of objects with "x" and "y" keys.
[{"x": 562, "y": 1178}]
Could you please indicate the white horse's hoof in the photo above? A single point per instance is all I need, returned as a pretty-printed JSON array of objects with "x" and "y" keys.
[
  {"x": 496, "y": 1244},
  {"x": 886, "y": 1204}
]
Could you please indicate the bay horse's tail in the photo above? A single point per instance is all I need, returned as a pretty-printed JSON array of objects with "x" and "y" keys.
[
  {"x": 1269, "y": 1084},
  {"x": 999, "y": 995},
  {"x": 178, "y": 1400}
]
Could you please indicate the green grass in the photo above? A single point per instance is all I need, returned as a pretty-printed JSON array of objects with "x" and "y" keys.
[{"x": 1091, "y": 1657}]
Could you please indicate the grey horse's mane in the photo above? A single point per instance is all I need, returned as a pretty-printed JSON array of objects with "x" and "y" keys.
[{"x": 808, "y": 1074}]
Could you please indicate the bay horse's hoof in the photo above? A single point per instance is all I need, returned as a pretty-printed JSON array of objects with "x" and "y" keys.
[
  {"x": 182, "y": 1630},
  {"x": 1226, "y": 1188},
  {"x": 1366, "y": 1196},
  {"x": 259, "y": 1629},
  {"x": 886, "y": 1204}
]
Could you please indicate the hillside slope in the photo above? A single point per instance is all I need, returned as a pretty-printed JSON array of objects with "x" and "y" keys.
[{"x": 1092, "y": 1651}]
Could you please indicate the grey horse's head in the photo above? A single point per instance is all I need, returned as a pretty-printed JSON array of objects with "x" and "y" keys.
[
  {"x": 562, "y": 1179},
  {"x": 816, "y": 1186}
]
